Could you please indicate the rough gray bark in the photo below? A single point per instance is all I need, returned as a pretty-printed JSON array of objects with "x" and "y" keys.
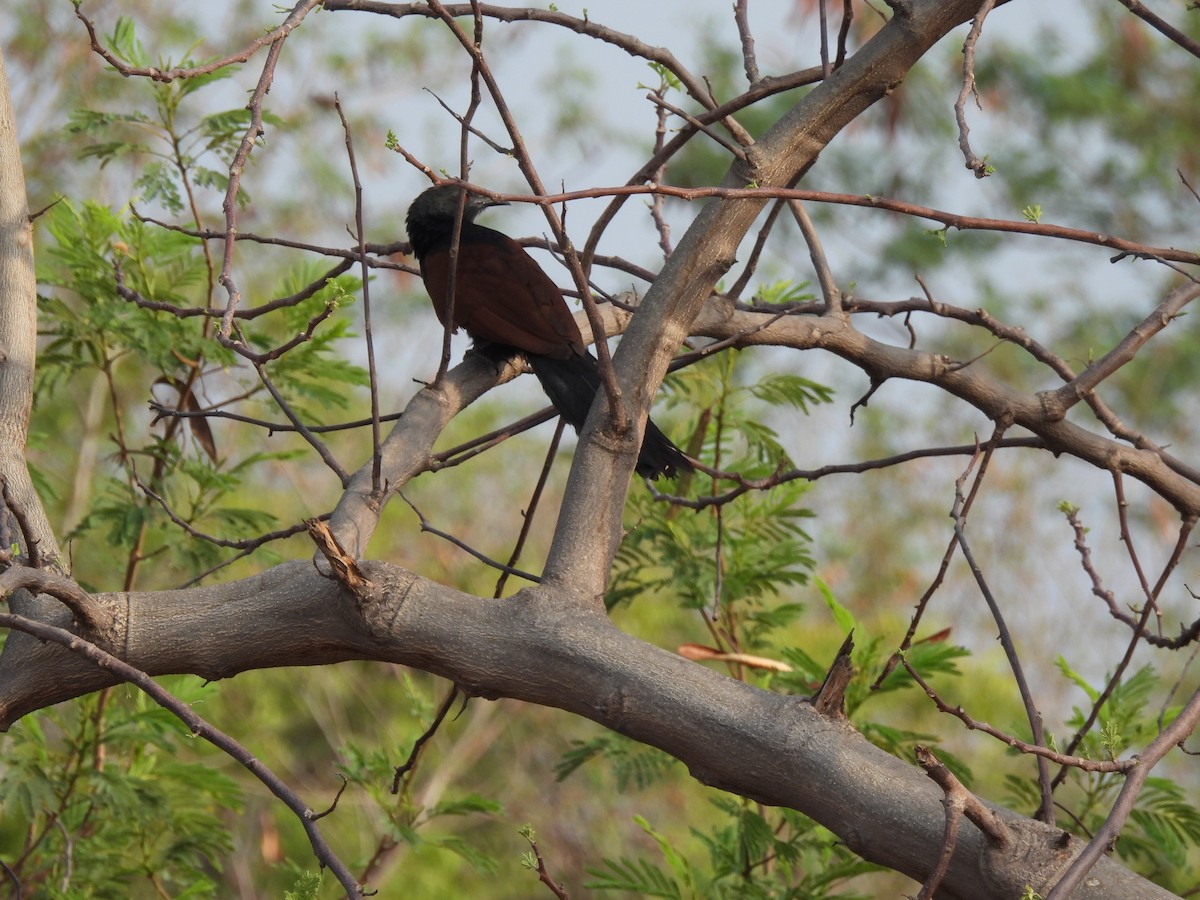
[
  {"x": 18, "y": 336},
  {"x": 542, "y": 647}
]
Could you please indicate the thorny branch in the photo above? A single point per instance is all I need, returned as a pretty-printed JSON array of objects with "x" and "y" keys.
[
  {"x": 1062, "y": 759},
  {"x": 1149, "y": 608},
  {"x": 1175, "y": 733}
]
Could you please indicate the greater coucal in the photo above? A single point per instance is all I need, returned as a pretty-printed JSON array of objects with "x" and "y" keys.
[{"x": 502, "y": 297}]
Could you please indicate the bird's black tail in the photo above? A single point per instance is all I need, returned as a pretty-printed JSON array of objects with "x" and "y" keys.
[{"x": 571, "y": 384}]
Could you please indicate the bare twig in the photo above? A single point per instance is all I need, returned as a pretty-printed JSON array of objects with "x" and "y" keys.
[
  {"x": 238, "y": 165},
  {"x": 531, "y": 508},
  {"x": 1162, "y": 26},
  {"x": 96, "y": 618},
  {"x": 465, "y": 122},
  {"x": 418, "y": 746},
  {"x": 823, "y": 25},
  {"x": 351, "y": 255},
  {"x": 869, "y": 201},
  {"x": 28, "y": 539},
  {"x": 658, "y": 203},
  {"x": 1046, "y": 811},
  {"x": 271, "y": 37},
  {"x": 1149, "y": 608},
  {"x": 12, "y": 876},
  {"x": 368, "y": 337},
  {"x": 316, "y": 443},
  {"x": 760, "y": 243},
  {"x": 829, "y": 289},
  {"x": 213, "y": 412},
  {"x": 844, "y": 32},
  {"x": 462, "y": 545},
  {"x": 1062, "y": 759},
  {"x": 1063, "y": 398},
  {"x": 336, "y": 797},
  {"x": 749, "y": 61},
  {"x": 719, "y": 138},
  {"x": 974, "y": 163},
  {"x": 246, "y": 544},
  {"x": 958, "y": 802},
  {"x": 1186, "y": 635}
]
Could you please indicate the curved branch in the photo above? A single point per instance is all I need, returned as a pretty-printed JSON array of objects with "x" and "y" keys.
[
  {"x": 967, "y": 382},
  {"x": 542, "y": 647},
  {"x": 18, "y": 339}
]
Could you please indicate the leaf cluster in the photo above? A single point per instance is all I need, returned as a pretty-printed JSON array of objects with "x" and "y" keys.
[{"x": 100, "y": 797}]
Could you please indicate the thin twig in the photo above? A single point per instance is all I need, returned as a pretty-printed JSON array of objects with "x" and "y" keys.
[
  {"x": 1139, "y": 631},
  {"x": 1187, "y": 634},
  {"x": 164, "y": 76},
  {"x": 12, "y": 876},
  {"x": 719, "y": 138},
  {"x": 829, "y": 289},
  {"x": 1046, "y": 812},
  {"x": 1162, "y": 26},
  {"x": 974, "y": 163},
  {"x": 760, "y": 243},
  {"x": 418, "y": 746},
  {"x": 1062, "y": 759},
  {"x": 465, "y": 123},
  {"x": 316, "y": 443},
  {"x": 844, "y": 32},
  {"x": 823, "y": 25},
  {"x": 1079, "y": 387},
  {"x": 958, "y": 802},
  {"x": 870, "y": 201},
  {"x": 238, "y": 165},
  {"x": 462, "y": 545},
  {"x": 531, "y": 507},
  {"x": 246, "y": 544},
  {"x": 360, "y": 235},
  {"x": 749, "y": 61}
]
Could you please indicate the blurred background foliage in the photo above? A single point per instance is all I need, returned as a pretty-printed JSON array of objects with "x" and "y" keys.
[{"x": 1087, "y": 114}]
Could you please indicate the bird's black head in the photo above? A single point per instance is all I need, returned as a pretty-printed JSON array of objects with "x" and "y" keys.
[{"x": 431, "y": 217}]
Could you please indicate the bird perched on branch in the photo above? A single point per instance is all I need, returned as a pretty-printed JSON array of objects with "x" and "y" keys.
[{"x": 502, "y": 297}]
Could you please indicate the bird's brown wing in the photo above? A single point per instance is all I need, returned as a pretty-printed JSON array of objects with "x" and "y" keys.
[{"x": 502, "y": 296}]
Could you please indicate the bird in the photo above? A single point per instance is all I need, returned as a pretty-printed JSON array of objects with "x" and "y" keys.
[{"x": 502, "y": 297}]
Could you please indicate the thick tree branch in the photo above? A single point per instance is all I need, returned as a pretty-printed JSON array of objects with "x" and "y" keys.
[
  {"x": 598, "y": 482},
  {"x": 967, "y": 382},
  {"x": 18, "y": 337},
  {"x": 543, "y": 649}
]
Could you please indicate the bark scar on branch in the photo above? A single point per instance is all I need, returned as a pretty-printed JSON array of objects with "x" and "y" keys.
[{"x": 344, "y": 566}]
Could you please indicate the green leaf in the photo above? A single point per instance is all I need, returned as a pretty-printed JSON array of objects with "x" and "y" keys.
[{"x": 842, "y": 616}]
